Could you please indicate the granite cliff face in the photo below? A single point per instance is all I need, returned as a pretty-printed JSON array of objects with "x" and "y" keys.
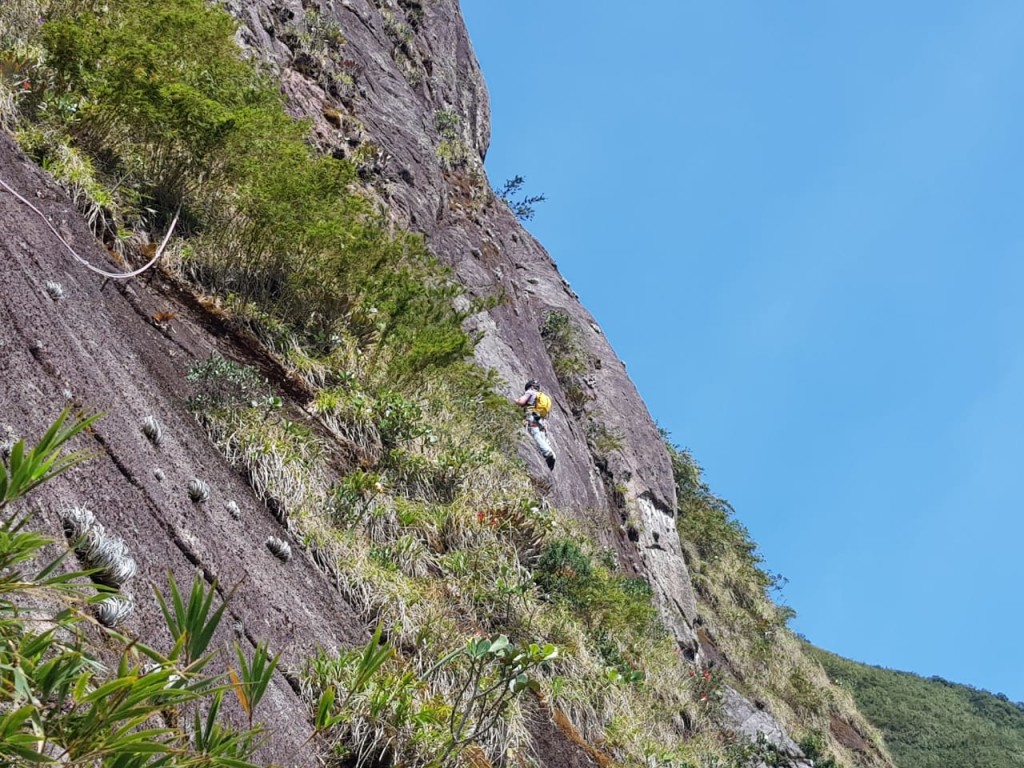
[
  {"x": 403, "y": 96},
  {"x": 411, "y": 106},
  {"x": 98, "y": 347},
  {"x": 394, "y": 86}
]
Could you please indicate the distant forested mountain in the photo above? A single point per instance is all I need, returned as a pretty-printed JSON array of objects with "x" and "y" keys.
[{"x": 931, "y": 722}]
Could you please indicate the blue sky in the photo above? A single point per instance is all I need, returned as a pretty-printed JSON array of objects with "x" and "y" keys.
[{"x": 800, "y": 224}]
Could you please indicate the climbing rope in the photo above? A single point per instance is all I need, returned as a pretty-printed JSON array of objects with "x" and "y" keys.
[{"x": 83, "y": 262}]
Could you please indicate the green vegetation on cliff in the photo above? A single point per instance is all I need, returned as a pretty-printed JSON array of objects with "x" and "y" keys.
[
  {"x": 932, "y": 723},
  {"x": 404, "y": 487},
  {"x": 397, "y": 472},
  {"x": 143, "y": 107},
  {"x": 744, "y": 632}
]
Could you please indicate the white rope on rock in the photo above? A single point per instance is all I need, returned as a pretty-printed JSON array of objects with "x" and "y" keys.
[{"x": 83, "y": 262}]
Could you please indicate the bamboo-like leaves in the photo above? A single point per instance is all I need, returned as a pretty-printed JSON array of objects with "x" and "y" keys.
[
  {"x": 253, "y": 678},
  {"x": 58, "y": 704},
  {"x": 26, "y": 469},
  {"x": 191, "y": 625},
  {"x": 324, "y": 717},
  {"x": 374, "y": 655},
  {"x": 212, "y": 737}
]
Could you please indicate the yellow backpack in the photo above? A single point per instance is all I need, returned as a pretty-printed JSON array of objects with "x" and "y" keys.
[{"x": 542, "y": 405}]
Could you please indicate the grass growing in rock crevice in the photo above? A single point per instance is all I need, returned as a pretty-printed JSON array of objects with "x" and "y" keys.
[{"x": 432, "y": 530}]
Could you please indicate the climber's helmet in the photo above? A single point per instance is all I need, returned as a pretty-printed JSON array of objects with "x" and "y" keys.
[{"x": 532, "y": 384}]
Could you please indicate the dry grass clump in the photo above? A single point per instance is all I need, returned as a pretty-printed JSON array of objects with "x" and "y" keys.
[{"x": 280, "y": 458}]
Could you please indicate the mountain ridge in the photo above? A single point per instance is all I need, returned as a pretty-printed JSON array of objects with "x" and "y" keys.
[{"x": 931, "y": 721}]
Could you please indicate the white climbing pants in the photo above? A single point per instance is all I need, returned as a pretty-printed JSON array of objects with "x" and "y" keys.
[{"x": 537, "y": 427}]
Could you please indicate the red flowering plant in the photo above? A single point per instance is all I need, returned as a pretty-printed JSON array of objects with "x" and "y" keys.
[
  {"x": 706, "y": 684},
  {"x": 524, "y": 524}
]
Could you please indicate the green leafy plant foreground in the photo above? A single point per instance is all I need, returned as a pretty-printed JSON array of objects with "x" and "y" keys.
[
  {"x": 71, "y": 697},
  {"x": 27, "y": 468}
]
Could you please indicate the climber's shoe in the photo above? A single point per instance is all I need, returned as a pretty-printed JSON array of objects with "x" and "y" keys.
[{"x": 550, "y": 460}]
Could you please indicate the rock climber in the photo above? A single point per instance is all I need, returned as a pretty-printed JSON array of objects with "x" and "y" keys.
[{"x": 537, "y": 405}]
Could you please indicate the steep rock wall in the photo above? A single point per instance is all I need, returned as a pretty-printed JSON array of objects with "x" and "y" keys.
[
  {"x": 99, "y": 347},
  {"x": 406, "y": 68},
  {"x": 411, "y": 106}
]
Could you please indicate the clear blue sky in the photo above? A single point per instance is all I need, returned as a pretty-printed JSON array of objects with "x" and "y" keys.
[{"x": 802, "y": 226}]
